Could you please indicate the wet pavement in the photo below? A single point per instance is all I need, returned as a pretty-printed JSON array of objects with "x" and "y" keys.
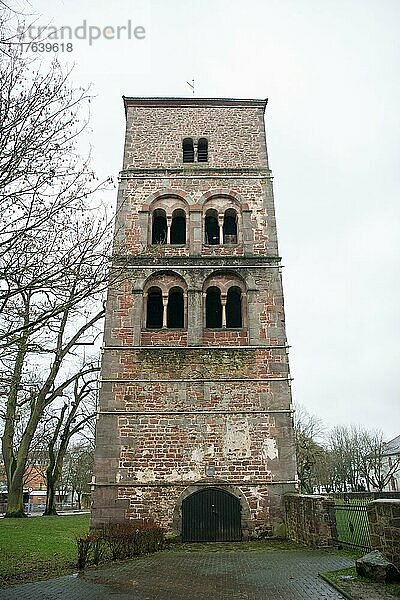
[{"x": 197, "y": 575}]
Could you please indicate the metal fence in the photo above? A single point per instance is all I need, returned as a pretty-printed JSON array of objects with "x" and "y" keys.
[
  {"x": 351, "y": 524},
  {"x": 365, "y": 496}
]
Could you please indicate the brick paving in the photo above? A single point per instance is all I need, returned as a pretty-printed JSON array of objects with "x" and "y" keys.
[{"x": 198, "y": 575}]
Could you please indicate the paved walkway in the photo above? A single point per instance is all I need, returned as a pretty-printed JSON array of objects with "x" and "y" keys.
[{"x": 197, "y": 575}]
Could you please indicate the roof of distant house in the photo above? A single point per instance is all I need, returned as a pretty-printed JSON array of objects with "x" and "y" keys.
[{"x": 392, "y": 447}]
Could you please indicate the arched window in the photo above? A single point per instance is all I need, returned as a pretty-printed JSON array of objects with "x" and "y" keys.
[
  {"x": 213, "y": 308},
  {"x": 154, "y": 316},
  {"x": 175, "y": 309},
  {"x": 159, "y": 228},
  {"x": 230, "y": 226},
  {"x": 178, "y": 227},
  {"x": 211, "y": 227},
  {"x": 188, "y": 150},
  {"x": 234, "y": 308},
  {"x": 202, "y": 150}
]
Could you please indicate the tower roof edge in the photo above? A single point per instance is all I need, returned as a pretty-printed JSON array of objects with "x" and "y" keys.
[{"x": 193, "y": 102}]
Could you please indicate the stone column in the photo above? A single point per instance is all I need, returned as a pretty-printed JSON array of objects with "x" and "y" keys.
[
  {"x": 169, "y": 223},
  {"x": 139, "y": 305},
  {"x": 254, "y": 307},
  {"x": 247, "y": 232},
  {"x": 221, "y": 228},
  {"x": 223, "y": 302},
  {"x": 195, "y": 317},
  {"x": 143, "y": 222},
  {"x": 165, "y": 306},
  {"x": 195, "y": 230}
]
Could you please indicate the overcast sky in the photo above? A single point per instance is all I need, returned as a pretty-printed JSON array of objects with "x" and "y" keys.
[{"x": 331, "y": 72}]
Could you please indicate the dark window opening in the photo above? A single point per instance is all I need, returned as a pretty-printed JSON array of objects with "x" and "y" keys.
[
  {"x": 159, "y": 228},
  {"x": 234, "y": 308},
  {"x": 230, "y": 227},
  {"x": 202, "y": 150},
  {"x": 212, "y": 228},
  {"x": 175, "y": 309},
  {"x": 213, "y": 308},
  {"x": 188, "y": 150},
  {"x": 178, "y": 228},
  {"x": 154, "y": 318}
]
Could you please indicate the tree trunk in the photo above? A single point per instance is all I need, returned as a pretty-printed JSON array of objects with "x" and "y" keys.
[
  {"x": 15, "y": 498},
  {"x": 79, "y": 500},
  {"x": 15, "y": 463},
  {"x": 53, "y": 471},
  {"x": 51, "y": 494}
]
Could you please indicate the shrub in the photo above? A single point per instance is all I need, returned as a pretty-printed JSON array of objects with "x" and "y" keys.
[{"x": 117, "y": 541}]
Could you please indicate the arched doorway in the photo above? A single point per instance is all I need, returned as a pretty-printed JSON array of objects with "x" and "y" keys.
[{"x": 211, "y": 515}]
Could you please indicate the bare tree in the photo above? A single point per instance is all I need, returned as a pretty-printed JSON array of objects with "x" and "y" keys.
[
  {"x": 81, "y": 459},
  {"x": 309, "y": 452},
  {"x": 72, "y": 419},
  {"x": 54, "y": 242},
  {"x": 359, "y": 455},
  {"x": 379, "y": 464},
  {"x": 348, "y": 445}
]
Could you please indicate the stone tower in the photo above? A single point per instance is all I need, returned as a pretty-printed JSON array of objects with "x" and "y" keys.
[{"x": 194, "y": 424}]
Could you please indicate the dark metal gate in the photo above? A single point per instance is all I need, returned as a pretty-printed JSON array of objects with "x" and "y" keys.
[
  {"x": 351, "y": 525},
  {"x": 211, "y": 515}
]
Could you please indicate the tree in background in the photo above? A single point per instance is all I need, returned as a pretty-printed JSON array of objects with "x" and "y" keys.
[
  {"x": 73, "y": 418},
  {"x": 345, "y": 459},
  {"x": 348, "y": 445},
  {"x": 81, "y": 459},
  {"x": 309, "y": 452},
  {"x": 379, "y": 465},
  {"x": 360, "y": 455}
]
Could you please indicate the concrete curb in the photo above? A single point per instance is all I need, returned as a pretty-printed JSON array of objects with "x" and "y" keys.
[{"x": 336, "y": 587}]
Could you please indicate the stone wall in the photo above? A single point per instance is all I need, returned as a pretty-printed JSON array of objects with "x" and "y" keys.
[
  {"x": 176, "y": 411},
  {"x": 235, "y": 133},
  {"x": 309, "y": 519},
  {"x": 384, "y": 523}
]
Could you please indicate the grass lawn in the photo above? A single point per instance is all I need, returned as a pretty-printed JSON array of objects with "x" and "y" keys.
[
  {"x": 359, "y": 588},
  {"x": 39, "y": 547}
]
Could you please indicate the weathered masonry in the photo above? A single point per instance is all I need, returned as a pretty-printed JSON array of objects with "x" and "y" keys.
[{"x": 194, "y": 424}]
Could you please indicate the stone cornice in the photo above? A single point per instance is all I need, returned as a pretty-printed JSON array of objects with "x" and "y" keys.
[
  {"x": 175, "y": 102},
  {"x": 196, "y": 262},
  {"x": 191, "y": 170}
]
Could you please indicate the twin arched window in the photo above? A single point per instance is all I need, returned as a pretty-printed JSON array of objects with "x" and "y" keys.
[
  {"x": 188, "y": 150},
  {"x": 220, "y": 229},
  {"x": 165, "y": 312},
  {"x": 168, "y": 233},
  {"x": 224, "y": 310},
  {"x": 168, "y": 311}
]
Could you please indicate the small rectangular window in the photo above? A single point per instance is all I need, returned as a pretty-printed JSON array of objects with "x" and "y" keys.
[
  {"x": 188, "y": 150},
  {"x": 202, "y": 150}
]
